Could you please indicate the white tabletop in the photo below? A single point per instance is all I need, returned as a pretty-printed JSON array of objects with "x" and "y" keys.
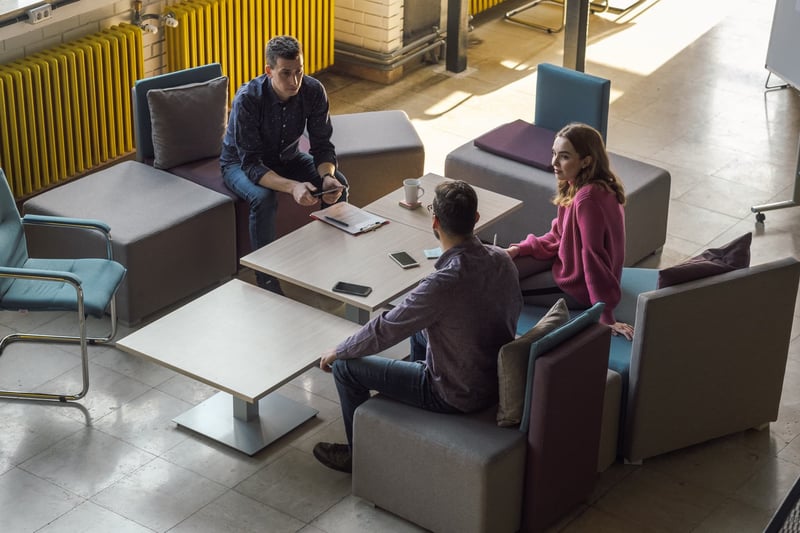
[
  {"x": 318, "y": 255},
  {"x": 491, "y": 205},
  {"x": 240, "y": 339}
]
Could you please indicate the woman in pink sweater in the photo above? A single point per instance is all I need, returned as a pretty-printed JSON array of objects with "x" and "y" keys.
[{"x": 581, "y": 257}]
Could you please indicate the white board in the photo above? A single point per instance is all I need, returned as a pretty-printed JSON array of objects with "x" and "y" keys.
[{"x": 783, "y": 54}]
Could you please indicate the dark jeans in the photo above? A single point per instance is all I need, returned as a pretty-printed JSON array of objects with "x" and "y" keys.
[
  {"x": 263, "y": 202},
  {"x": 404, "y": 381}
]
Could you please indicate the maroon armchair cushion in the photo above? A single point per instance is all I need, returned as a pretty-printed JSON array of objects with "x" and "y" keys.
[
  {"x": 731, "y": 256},
  {"x": 564, "y": 426},
  {"x": 522, "y": 142}
]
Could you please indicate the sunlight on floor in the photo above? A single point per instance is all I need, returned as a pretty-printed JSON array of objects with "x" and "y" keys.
[{"x": 648, "y": 43}]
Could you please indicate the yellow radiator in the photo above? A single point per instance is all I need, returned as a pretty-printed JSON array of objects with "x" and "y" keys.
[
  {"x": 476, "y": 6},
  {"x": 234, "y": 33},
  {"x": 67, "y": 109}
]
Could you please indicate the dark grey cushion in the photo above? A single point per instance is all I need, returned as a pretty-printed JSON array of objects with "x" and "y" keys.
[
  {"x": 188, "y": 121},
  {"x": 512, "y": 365}
]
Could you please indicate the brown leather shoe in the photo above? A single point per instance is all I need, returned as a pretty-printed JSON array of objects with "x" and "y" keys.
[{"x": 335, "y": 456}]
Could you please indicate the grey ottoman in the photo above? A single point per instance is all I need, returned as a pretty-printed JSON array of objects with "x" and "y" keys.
[
  {"x": 449, "y": 473},
  {"x": 376, "y": 150},
  {"x": 175, "y": 237},
  {"x": 647, "y": 188}
]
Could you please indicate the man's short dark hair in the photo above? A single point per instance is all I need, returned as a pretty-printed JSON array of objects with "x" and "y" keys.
[
  {"x": 283, "y": 46},
  {"x": 455, "y": 204}
]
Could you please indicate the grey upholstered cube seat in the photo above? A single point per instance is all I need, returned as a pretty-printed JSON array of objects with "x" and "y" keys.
[
  {"x": 467, "y": 451},
  {"x": 647, "y": 188},
  {"x": 376, "y": 150},
  {"x": 175, "y": 237}
]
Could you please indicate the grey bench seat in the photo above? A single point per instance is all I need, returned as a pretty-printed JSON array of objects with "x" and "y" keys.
[
  {"x": 175, "y": 237},
  {"x": 647, "y": 188}
]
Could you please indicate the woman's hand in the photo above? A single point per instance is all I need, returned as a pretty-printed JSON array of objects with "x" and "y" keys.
[
  {"x": 621, "y": 328},
  {"x": 513, "y": 251}
]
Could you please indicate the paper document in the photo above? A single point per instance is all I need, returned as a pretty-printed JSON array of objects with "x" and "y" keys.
[{"x": 349, "y": 218}]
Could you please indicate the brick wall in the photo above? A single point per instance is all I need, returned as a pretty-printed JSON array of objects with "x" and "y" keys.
[
  {"x": 375, "y": 25},
  {"x": 76, "y": 20}
]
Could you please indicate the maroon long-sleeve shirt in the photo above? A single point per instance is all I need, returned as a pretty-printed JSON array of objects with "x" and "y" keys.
[{"x": 587, "y": 245}]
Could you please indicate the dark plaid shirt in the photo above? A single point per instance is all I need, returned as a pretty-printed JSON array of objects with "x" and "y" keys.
[{"x": 263, "y": 131}]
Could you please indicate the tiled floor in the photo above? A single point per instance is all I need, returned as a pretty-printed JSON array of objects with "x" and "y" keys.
[{"x": 687, "y": 94}]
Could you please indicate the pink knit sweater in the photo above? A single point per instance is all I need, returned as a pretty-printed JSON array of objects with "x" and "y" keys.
[{"x": 587, "y": 245}]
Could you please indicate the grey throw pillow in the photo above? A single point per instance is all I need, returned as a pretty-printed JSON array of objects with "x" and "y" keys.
[
  {"x": 512, "y": 365},
  {"x": 188, "y": 121}
]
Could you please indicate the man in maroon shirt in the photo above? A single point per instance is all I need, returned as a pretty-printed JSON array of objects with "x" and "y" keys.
[{"x": 458, "y": 317}]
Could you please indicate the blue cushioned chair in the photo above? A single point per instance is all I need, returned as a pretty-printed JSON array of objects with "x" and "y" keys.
[
  {"x": 86, "y": 286},
  {"x": 564, "y": 95}
]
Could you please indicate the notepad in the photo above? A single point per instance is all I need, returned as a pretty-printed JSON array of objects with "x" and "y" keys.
[{"x": 349, "y": 218}]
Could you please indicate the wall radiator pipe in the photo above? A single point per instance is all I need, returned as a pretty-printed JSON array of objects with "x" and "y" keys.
[
  {"x": 356, "y": 56},
  {"x": 67, "y": 109}
]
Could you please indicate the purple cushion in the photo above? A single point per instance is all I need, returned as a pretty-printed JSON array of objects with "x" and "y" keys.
[
  {"x": 731, "y": 256},
  {"x": 520, "y": 141}
]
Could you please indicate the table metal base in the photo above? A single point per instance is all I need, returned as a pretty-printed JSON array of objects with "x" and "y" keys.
[{"x": 236, "y": 423}]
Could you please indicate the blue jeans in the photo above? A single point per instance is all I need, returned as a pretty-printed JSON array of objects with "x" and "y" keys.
[
  {"x": 404, "y": 381},
  {"x": 263, "y": 202}
]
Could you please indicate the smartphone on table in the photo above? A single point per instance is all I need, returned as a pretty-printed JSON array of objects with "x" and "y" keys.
[
  {"x": 352, "y": 288},
  {"x": 404, "y": 259}
]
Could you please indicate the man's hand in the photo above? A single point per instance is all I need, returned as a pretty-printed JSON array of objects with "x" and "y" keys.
[
  {"x": 301, "y": 192},
  {"x": 513, "y": 251},
  {"x": 326, "y": 360},
  {"x": 329, "y": 182}
]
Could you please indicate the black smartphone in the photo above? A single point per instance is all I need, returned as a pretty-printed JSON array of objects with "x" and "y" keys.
[
  {"x": 403, "y": 259},
  {"x": 318, "y": 193},
  {"x": 351, "y": 288}
]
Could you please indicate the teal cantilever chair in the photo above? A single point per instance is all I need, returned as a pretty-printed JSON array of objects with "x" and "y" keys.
[{"x": 86, "y": 286}]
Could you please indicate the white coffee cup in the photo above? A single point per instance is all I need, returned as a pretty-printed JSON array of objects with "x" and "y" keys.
[{"x": 412, "y": 190}]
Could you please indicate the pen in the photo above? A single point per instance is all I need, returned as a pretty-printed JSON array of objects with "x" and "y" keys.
[{"x": 341, "y": 223}]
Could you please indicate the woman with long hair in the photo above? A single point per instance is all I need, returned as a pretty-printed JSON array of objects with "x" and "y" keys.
[{"x": 581, "y": 257}]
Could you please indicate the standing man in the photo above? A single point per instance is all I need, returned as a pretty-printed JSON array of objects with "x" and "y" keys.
[
  {"x": 457, "y": 317},
  {"x": 260, "y": 155}
]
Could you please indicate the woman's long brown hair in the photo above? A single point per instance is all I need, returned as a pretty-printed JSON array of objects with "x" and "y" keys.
[{"x": 587, "y": 141}]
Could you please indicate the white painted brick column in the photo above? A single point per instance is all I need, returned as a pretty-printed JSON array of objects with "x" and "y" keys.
[{"x": 375, "y": 25}]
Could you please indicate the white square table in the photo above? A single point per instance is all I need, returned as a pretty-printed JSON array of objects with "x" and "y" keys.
[
  {"x": 246, "y": 342},
  {"x": 491, "y": 205}
]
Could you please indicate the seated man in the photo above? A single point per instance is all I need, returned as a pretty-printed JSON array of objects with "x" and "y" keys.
[
  {"x": 459, "y": 317},
  {"x": 260, "y": 156}
]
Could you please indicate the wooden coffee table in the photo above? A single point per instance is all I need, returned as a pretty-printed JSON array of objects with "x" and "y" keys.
[
  {"x": 491, "y": 206},
  {"x": 246, "y": 342},
  {"x": 318, "y": 255}
]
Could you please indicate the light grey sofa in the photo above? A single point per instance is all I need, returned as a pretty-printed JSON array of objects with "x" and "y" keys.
[
  {"x": 707, "y": 359},
  {"x": 647, "y": 188}
]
